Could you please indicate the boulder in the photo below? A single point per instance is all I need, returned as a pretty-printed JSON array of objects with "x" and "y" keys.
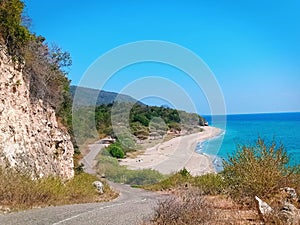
[
  {"x": 290, "y": 214},
  {"x": 99, "y": 186},
  {"x": 290, "y": 193}
]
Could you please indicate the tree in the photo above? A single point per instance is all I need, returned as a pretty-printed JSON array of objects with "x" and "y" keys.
[{"x": 14, "y": 34}]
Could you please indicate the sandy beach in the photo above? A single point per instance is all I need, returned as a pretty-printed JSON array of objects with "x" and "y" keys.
[{"x": 175, "y": 154}]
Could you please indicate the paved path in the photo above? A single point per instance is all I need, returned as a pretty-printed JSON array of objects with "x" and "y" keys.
[
  {"x": 89, "y": 160},
  {"x": 131, "y": 207}
]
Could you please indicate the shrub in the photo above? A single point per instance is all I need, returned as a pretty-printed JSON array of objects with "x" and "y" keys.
[
  {"x": 176, "y": 180},
  {"x": 209, "y": 184},
  {"x": 257, "y": 170},
  {"x": 143, "y": 177},
  {"x": 184, "y": 172},
  {"x": 189, "y": 208},
  {"x": 116, "y": 151}
]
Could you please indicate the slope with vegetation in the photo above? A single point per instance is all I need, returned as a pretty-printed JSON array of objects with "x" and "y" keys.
[
  {"x": 144, "y": 121},
  {"x": 35, "y": 123},
  {"x": 35, "y": 102}
]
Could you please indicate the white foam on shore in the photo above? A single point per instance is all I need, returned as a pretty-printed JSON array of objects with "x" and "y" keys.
[{"x": 216, "y": 160}]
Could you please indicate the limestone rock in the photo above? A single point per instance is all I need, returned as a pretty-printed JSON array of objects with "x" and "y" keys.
[
  {"x": 99, "y": 186},
  {"x": 290, "y": 213},
  {"x": 30, "y": 139},
  {"x": 263, "y": 207},
  {"x": 291, "y": 193}
]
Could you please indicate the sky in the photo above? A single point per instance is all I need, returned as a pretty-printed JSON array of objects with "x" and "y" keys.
[{"x": 252, "y": 47}]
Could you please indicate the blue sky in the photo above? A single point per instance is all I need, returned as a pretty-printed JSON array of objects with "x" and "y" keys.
[{"x": 252, "y": 47}]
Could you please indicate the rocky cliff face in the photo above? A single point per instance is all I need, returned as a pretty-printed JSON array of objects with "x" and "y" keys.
[{"x": 30, "y": 139}]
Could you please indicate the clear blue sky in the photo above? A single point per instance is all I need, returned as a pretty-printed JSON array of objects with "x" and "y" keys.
[{"x": 252, "y": 46}]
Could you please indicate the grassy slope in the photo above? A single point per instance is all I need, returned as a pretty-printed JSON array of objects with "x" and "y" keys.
[{"x": 19, "y": 191}]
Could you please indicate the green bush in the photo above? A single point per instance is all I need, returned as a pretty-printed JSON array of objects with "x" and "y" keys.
[
  {"x": 184, "y": 172},
  {"x": 143, "y": 177},
  {"x": 209, "y": 184},
  {"x": 257, "y": 170},
  {"x": 116, "y": 151},
  {"x": 176, "y": 180}
]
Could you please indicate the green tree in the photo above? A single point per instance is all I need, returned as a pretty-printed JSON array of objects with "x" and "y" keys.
[
  {"x": 141, "y": 118},
  {"x": 14, "y": 34}
]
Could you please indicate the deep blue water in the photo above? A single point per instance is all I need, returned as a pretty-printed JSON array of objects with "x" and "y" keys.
[{"x": 284, "y": 128}]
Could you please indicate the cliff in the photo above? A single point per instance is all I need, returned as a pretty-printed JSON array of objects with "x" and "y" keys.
[{"x": 30, "y": 139}]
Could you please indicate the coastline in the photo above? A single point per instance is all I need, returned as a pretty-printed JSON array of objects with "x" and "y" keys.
[{"x": 173, "y": 155}]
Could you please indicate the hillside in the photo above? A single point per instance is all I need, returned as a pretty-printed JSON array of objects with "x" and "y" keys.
[{"x": 88, "y": 96}]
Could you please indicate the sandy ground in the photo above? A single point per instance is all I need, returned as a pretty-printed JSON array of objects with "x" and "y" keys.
[{"x": 175, "y": 154}]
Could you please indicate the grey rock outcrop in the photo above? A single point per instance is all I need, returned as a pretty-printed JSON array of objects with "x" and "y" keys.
[{"x": 30, "y": 139}]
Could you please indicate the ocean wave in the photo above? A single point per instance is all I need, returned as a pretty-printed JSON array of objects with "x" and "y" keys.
[
  {"x": 201, "y": 148},
  {"x": 218, "y": 163}
]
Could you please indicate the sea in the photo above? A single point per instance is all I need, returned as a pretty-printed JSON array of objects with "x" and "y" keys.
[{"x": 245, "y": 129}]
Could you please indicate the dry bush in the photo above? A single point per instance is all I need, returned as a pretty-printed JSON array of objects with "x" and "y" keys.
[
  {"x": 274, "y": 219},
  {"x": 189, "y": 208},
  {"x": 259, "y": 170}
]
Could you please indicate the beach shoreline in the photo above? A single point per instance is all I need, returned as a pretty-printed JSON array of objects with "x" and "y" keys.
[{"x": 178, "y": 153}]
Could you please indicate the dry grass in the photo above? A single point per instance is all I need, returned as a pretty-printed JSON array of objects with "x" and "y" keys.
[
  {"x": 188, "y": 208},
  {"x": 191, "y": 208},
  {"x": 19, "y": 191},
  {"x": 113, "y": 171},
  {"x": 209, "y": 184}
]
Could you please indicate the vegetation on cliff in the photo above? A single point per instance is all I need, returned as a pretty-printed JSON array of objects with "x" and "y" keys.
[
  {"x": 45, "y": 67},
  {"x": 14, "y": 35}
]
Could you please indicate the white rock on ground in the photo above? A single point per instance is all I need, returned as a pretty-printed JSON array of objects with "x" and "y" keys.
[{"x": 99, "y": 186}]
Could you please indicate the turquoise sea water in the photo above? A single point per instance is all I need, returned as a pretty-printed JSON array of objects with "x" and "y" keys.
[{"x": 245, "y": 129}]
